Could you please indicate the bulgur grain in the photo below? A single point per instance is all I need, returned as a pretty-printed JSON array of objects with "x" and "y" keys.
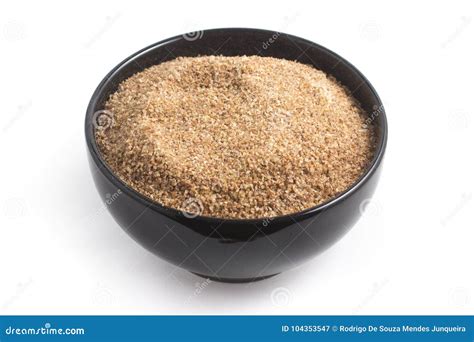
[{"x": 248, "y": 137}]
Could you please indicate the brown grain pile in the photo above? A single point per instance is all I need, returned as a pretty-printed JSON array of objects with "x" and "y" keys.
[{"x": 243, "y": 137}]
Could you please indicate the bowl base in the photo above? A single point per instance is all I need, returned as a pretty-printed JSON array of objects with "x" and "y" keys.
[{"x": 235, "y": 280}]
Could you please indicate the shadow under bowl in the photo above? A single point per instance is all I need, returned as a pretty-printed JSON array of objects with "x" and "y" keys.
[{"x": 228, "y": 249}]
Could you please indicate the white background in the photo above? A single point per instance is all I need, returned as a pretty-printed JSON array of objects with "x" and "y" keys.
[{"x": 412, "y": 251}]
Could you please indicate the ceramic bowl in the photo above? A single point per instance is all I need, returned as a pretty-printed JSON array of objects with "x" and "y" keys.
[{"x": 235, "y": 250}]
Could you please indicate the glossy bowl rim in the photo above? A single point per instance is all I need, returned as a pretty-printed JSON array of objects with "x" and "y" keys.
[{"x": 169, "y": 211}]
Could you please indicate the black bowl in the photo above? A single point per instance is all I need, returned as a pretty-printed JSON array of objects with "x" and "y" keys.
[{"x": 229, "y": 249}]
